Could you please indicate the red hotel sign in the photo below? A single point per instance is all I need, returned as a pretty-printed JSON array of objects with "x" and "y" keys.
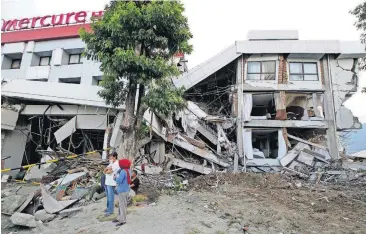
[{"x": 49, "y": 20}]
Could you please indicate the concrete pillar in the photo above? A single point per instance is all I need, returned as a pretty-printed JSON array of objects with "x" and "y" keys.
[
  {"x": 239, "y": 103},
  {"x": 329, "y": 110}
]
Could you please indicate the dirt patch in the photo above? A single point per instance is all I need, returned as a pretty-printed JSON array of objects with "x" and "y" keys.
[{"x": 274, "y": 200}]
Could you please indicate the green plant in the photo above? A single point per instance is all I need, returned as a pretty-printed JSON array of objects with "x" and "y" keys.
[{"x": 135, "y": 42}]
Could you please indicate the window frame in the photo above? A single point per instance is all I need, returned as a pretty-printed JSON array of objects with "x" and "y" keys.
[
  {"x": 79, "y": 61},
  {"x": 12, "y": 62},
  {"x": 49, "y": 60},
  {"x": 260, "y": 72},
  {"x": 303, "y": 71}
]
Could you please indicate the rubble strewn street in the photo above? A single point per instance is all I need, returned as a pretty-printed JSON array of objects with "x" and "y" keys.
[{"x": 264, "y": 203}]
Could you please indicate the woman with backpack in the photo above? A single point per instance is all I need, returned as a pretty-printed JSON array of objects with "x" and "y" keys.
[{"x": 123, "y": 180}]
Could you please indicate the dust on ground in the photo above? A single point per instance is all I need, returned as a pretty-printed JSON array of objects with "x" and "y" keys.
[{"x": 224, "y": 203}]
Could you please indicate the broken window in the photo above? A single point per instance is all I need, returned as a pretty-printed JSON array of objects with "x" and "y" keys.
[
  {"x": 15, "y": 63},
  {"x": 263, "y": 106},
  {"x": 304, "y": 106},
  {"x": 303, "y": 71},
  {"x": 261, "y": 70},
  {"x": 265, "y": 143}
]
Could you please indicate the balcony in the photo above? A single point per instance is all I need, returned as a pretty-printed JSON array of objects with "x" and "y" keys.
[{"x": 39, "y": 72}]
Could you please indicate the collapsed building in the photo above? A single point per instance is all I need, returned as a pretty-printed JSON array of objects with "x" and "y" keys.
[{"x": 265, "y": 104}]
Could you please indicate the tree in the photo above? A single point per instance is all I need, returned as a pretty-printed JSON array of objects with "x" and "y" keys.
[
  {"x": 135, "y": 42},
  {"x": 360, "y": 12}
]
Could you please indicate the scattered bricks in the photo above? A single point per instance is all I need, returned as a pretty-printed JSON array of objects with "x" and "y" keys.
[
  {"x": 43, "y": 216},
  {"x": 22, "y": 219},
  {"x": 70, "y": 212}
]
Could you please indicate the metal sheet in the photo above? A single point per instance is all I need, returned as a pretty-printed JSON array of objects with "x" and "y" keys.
[
  {"x": 66, "y": 130},
  {"x": 91, "y": 122}
]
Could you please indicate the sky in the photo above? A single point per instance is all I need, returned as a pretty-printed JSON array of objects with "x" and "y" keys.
[{"x": 216, "y": 24}]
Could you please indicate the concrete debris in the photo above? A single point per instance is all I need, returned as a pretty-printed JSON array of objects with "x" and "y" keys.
[
  {"x": 51, "y": 205},
  {"x": 22, "y": 219},
  {"x": 152, "y": 170},
  {"x": 10, "y": 204},
  {"x": 4, "y": 178},
  {"x": 70, "y": 212},
  {"x": 43, "y": 216}
]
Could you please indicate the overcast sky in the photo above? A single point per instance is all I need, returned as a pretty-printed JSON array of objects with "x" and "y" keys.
[{"x": 218, "y": 24}]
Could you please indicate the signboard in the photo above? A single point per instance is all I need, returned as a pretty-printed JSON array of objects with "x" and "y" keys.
[{"x": 49, "y": 20}]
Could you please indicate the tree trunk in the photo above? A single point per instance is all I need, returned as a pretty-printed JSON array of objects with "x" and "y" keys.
[{"x": 128, "y": 141}]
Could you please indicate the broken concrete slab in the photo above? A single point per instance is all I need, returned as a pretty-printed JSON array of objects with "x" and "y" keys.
[
  {"x": 204, "y": 153},
  {"x": 12, "y": 203},
  {"x": 316, "y": 155},
  {"x": 43, "y": 216},
  {"x": 5, "y": 222},
  {"x": 292, "y": 154},
  {"x": 354, "y": 165},
  {"x": 9, "y": 116},
  {"x": 191, "y": 166},
  {"x": 67, "y": 179},
  {"x": 306, "y": 142},
  {"x": 305, "y": 158},
  {"x": 26, "y": 203},
  {"x": 79, "y": 193},
  {"x": 207, "y": 132},
  {"x": 37, "y": 172},
  {"x": 22, "y": 219},
  {"x": 70, "y": 212},
  {"x": 51, "y": 205}
]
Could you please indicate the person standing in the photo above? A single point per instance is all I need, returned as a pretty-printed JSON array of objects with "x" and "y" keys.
[
  {"x": 110, "y": 172},
  {"x": 123, "y": 180},
  {"x": 135, "y": 182}
]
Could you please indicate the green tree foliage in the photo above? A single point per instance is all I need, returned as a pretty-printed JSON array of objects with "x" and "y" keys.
[
  {"x": 360, "y": 13},
  {"x": 135, "y": 42}
]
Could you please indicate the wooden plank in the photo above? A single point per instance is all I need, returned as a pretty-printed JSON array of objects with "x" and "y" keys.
[{"x": 306, "y": 142}]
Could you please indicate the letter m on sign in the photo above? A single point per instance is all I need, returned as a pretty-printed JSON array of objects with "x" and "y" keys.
[{"x": 7, "y": 25}]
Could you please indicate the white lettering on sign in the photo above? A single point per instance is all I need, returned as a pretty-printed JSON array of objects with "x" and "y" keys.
[{"x": 49, "y": 20}]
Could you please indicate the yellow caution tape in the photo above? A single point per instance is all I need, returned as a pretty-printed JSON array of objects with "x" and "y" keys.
[{"x": 29, "y": 166}]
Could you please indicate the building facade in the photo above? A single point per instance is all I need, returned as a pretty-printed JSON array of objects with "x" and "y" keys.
[
  {"x": 248, "y": 106},
  {"x": 281, "y": 91}
]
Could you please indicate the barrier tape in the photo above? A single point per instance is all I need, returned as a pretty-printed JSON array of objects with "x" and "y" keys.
[{"x": 73, "y": 156}]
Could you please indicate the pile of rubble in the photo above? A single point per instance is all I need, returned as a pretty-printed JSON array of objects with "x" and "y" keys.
[{"x": 64, "y": 185}]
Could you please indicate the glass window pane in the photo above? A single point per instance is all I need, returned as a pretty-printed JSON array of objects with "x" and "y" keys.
[
  {"x": 74, "y": 58},
  {"x": 269, "y": 67},
  {"x": 311, "y": 77},
  {"x": 253, "y": 77},
  {"x": 15, "y": 64},
  {"x": 296, "y": 77},
  {"x": 254, "y": 67},
  {"x": 45, "y": 61},
  {"x": 310, "y": 68},
  {"x": 268, "y": 77},
  {"x": 295, "y": 68}
]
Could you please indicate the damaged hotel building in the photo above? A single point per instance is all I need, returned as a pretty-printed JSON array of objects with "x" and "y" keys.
[{"x": 270, "y": 103}]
